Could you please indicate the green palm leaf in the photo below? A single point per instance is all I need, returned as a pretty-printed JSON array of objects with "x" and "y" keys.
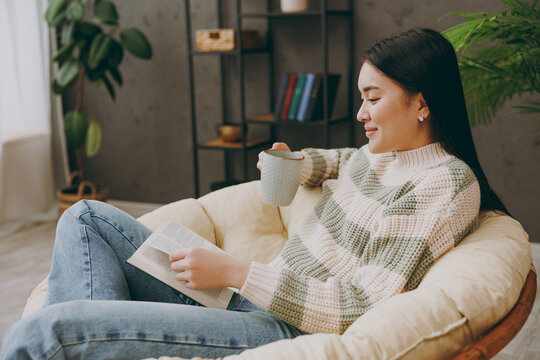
[{"x": 499, "y": 58}]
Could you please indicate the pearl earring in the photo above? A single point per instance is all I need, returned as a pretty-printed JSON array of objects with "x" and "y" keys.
[{"x": 421, "y": 118}]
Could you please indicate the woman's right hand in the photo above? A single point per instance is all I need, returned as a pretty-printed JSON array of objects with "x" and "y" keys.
[{"x": 276, "y": 146}]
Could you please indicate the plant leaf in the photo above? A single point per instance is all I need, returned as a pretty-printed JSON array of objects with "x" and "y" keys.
[
  {"x": 86, "y": 30},
  {"x": 75, "y": 128},
  {"x": 59, "y": 18},
  {"x": 77, "y": 52},
  {"x": 99, "y": 50},
  {"x": 93, "y": 138},
  {"x": 116, "y": 54},
  {"x": 68, "y": 71},
  {"x": 75, "y": 11},
  {"x": 54, "y": 8},
  {"x": 109, "y": 87},
  {"x": 67, "y": 33},
  {"x": 63, "y": 53},
  {"x": 116, "y": 75},
  {"x": 136, "y": 43},
  {"x": 105, "y": 12}
]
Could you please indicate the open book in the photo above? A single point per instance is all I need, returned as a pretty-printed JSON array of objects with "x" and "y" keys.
[{"x": 152, "y": 257}]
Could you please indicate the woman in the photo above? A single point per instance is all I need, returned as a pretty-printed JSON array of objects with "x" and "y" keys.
[{"x": 387, "y": 212}]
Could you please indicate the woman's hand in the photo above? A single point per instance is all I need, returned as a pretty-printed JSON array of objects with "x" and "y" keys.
[
  {"x": 203, "y": 269},
  {"x": 276, "y": 146}
]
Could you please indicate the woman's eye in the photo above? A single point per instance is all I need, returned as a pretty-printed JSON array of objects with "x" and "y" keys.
[{"x": 371, "y": 100}]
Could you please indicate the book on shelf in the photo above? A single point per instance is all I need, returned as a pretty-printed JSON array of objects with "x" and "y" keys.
[
  {"x": 300, "y": 80},
  {"x": 281, "y": 96},
  {"x": 315, "y": 107},
  {"x": 152, "y": 257},
  {"x": 288, "y": 97},
  {"x": 301, "y": 116}
]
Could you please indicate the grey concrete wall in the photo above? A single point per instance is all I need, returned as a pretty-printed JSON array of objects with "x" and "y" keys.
[{"x": 147, "y": 147}]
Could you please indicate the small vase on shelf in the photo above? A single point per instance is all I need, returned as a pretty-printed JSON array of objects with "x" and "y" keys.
[{"x": 293, "y": 6}]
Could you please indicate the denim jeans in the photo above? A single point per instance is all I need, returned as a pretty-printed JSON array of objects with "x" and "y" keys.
[{"x": 99, "y": 307}]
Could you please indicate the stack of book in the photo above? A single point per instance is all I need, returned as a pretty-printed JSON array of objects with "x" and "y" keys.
[{"x": 300, "y": 96}]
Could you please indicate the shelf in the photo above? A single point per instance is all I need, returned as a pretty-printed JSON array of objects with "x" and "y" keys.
[
  {"x": 230, "y": 52},
  {"x": 278, "y": 14},
  {"x": 220, "y": 144},
  {"x": 269, "y": 119}
]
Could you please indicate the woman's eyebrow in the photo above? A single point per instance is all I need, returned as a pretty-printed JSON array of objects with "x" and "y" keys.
[{"x": 371, "y": 87}]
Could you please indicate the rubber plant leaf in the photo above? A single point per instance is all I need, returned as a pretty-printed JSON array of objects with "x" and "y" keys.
[
  {"x": 86, "y": 30},
  {"x": 68, "y": 71},
  {"x": 75, "y": 11},
  {"x": 67, "y": 33},
  {"x": 116, "y": 54},
  {"x": 99, "y": 50},
  {"x": 136, "y": 43},
  {"x": 93, "y": 138},
  {"x": 75, "y": 128},
  {"x": 105, "y": 12},
  {"x": 63, "y": 54},
  {"x": 115, "y": 73},
  {"x": 55, "y": 7}
]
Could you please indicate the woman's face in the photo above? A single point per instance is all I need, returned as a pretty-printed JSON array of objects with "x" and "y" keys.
[{"x": 390, "y": 119}]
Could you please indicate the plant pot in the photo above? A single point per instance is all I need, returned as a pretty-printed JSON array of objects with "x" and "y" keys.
[
  {"x": 78, "y": 190},
  {"x": 292, "y": 6}
]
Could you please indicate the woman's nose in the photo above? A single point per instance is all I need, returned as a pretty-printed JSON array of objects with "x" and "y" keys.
[{"x": 362, "y": 114}]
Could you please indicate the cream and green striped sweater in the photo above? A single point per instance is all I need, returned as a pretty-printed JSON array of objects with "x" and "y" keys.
[{"x": 381, "y": 222}]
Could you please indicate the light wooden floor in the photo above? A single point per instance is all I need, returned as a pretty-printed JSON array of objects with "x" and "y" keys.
[{"x": 25, "y": 258}]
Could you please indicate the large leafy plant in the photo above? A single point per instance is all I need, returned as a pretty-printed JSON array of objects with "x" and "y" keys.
[
  {"x": 90, "y": 47},
  {"x": 499, "y": 58}
]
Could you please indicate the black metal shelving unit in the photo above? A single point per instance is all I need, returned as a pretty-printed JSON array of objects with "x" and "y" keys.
[{"x": 246, "y": 145}]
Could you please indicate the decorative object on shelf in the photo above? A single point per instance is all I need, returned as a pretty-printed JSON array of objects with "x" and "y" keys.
[
  {"x": 229, "y": 132},
  {"x": 300, "y": 97},
  {"x": 292, "y": 6},
  {"x": 499, "y": 59},
  {"x": 89, "y": 50},
  {"x": 225, "y": 39}
]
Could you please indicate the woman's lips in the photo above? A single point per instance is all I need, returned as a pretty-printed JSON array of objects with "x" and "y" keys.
[{"x": 370, "y": 131}]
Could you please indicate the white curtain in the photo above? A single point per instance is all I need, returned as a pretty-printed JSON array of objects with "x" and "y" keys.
[{"x": 26, "y": 171}]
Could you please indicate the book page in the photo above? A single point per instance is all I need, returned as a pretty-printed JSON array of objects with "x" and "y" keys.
[
  {"x": 153, "y": 258},
  {"x": 172, "y": 235}
]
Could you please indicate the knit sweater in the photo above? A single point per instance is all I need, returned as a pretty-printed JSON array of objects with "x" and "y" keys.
[{"x": 382, "y": 220}]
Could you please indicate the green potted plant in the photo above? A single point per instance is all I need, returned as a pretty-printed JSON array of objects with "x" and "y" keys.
[
  {"x": 499, "y": 58},
  {"x": 90, "y": 48}
]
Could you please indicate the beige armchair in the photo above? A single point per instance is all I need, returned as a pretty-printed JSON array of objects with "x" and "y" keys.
[{"x": 460, "y": 299}]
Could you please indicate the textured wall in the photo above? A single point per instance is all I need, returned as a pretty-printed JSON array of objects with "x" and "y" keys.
[{"x": 147, "y": 148}]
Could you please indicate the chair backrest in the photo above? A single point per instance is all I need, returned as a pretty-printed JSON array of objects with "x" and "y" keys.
[{"x": 503, "y": 332}]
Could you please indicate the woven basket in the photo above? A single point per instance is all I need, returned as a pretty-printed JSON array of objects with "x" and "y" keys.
[{"x": 78, "y": 190}]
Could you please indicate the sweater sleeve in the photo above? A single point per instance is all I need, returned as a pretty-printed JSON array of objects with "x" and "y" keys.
[
  {"x": 322, "y": 164},
  {"x": 397, "y": 255}
]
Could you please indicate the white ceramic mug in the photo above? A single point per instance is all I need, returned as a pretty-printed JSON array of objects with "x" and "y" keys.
[
  {"x": 292, "y": 6},
  {"x": 280, "y": 176}
]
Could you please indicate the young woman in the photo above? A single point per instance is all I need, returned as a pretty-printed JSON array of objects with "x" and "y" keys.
[{"x": 387, "y": 212}]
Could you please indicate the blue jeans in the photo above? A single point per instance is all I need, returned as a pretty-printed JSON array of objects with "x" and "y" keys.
[{"x": 99, "y": 307}]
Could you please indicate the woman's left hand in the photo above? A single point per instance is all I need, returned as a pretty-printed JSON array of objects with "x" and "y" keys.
[{"x": 203, "y": 269}]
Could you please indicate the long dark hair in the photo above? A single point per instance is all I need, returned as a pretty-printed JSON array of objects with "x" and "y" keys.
[{"x": 423, "y": 61}]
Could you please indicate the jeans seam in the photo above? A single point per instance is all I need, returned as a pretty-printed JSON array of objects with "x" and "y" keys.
[
  {"x": 89, "y": 269},
  {"x": 84, "y": 238},
  {"x": 117, "y": 229},
  {"x": 56, "y": 350},
  {"x": 73, "y": 343}
]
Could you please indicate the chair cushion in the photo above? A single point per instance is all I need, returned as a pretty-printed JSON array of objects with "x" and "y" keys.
[{"x": 464, "y": 294}]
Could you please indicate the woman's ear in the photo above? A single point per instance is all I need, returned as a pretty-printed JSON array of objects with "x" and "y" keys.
[{"x": 422, "y": 106}]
